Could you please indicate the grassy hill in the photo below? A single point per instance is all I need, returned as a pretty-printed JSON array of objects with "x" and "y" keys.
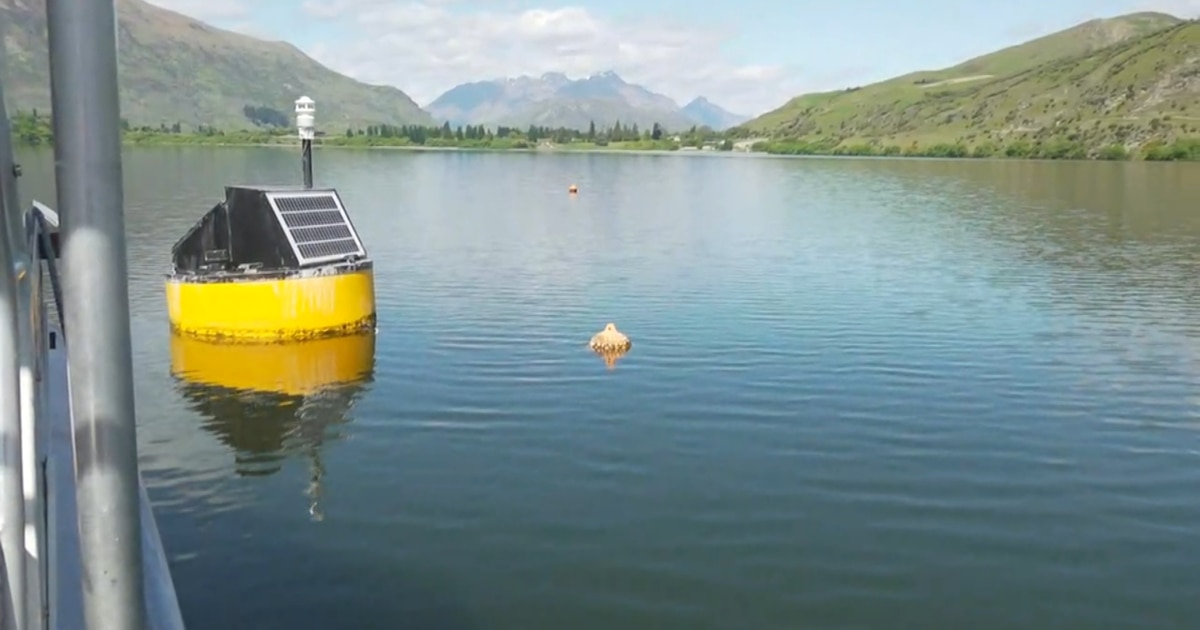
[
  {"x": 176, "y": 69},
  {"x": 1126, "y": 82}
]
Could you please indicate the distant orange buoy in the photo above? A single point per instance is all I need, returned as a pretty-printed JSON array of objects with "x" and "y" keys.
[
  {"x": 611, "y": 344},
  {"x": 610, "y": 339},
  {"x": 573, "y": 189}
]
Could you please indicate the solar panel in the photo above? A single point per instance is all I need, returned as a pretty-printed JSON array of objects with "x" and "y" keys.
[{"x": 316, "y": 226}]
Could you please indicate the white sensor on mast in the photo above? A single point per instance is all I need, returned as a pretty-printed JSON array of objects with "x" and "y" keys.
[{"x": 306, "y": 110}]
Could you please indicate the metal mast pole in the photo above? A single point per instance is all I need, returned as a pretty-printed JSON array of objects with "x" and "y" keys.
[
  {"x": 87, "y": 148},
  {"x": 306, "y": 161},
  {"x": 12, "y": 494}
]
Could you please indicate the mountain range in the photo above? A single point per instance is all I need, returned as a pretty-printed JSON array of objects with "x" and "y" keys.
[
  {"x": 554, "y": 100},
  {"x": 708, "y": 114},
  {"x": 177, "y": 69},
  {"x": 1122, "y": 81},
  {"x": 174, "y": 68},
  {"x": 1126, "y": 80}
]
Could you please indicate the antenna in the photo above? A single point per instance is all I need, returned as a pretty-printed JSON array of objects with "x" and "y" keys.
[{"x": 306, "y": 110}]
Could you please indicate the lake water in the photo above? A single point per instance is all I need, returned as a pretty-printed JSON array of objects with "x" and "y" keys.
[{"x": 862, "y": 394}]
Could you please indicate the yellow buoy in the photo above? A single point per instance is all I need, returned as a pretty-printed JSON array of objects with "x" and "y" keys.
[
  {"x": 272, "y": 264},
  {"x": 573, "y": 189}
]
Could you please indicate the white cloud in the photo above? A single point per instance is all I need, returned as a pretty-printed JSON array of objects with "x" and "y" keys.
[{"x": 426, "y": 47}]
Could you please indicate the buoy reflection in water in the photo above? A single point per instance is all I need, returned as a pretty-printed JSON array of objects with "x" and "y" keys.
[
  {"x": 611, "y": 355},
  {"x": 271, "y": 401}
]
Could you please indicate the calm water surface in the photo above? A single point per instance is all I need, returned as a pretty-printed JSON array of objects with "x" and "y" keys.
[{"x": 862, "y": 394}]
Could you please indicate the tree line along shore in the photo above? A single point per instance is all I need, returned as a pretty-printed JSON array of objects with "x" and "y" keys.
[{"x": 35, "y": 129}]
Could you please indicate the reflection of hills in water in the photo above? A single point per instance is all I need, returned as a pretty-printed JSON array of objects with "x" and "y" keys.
[
  {"x": 1100, "y": 236},
  {"x": 269, "y": 402},
  {"x": 1111, "y": 246}
]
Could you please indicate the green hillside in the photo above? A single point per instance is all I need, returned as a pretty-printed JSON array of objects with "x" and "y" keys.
[
  {"x": 176, "y": 69},
  {"x": 1072, "y": 42},
  {"x": 1126, "y": 82}
]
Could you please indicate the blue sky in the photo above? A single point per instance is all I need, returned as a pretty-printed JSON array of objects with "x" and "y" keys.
[{"x": 750, "y": 55}]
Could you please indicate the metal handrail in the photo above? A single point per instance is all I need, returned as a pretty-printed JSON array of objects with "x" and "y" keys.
[
  {"x": 12, "y": 490},
  {"x": 24, "y": 271},
  {"x": 116, "y": 575},
  {"x": 160, "y": 603},
  {"x": 40, "y": 218},
  {"x": 33, "y": 442}
]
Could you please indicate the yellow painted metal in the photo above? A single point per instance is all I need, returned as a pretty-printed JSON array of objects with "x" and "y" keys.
[{"x": 299, "y": 306}]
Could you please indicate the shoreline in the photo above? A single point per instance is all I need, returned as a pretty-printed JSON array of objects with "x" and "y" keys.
[{"x": 627, "y": 150}]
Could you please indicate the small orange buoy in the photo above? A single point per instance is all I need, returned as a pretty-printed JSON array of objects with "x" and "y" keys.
[
  {"x": 610, "y": 339},
  {"x": 573, "y": 189},
  {"x": 611, "y": 344}
]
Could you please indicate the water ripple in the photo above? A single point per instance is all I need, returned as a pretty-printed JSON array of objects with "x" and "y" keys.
[{"x": 861, "y": 394}]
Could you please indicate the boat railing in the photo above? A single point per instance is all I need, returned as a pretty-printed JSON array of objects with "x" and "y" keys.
[{"x": 79, "y": 546}]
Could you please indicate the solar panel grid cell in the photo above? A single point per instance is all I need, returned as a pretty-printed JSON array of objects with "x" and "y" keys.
[{"x": 317, "y": 226}]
